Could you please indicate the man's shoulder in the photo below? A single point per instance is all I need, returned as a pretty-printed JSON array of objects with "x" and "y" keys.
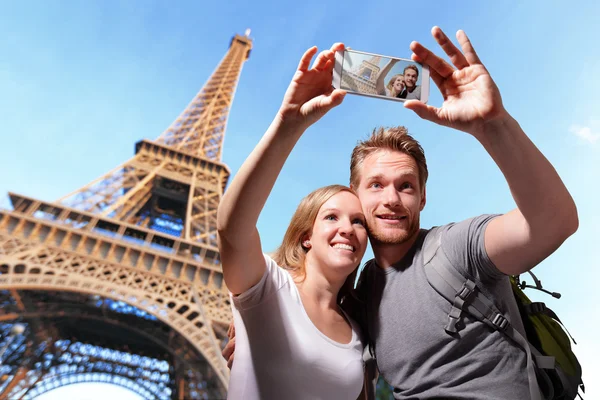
[{"x": 478, "y": 221}]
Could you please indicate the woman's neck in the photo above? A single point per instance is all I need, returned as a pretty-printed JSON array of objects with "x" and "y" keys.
[{"x": 319, "y": 290}]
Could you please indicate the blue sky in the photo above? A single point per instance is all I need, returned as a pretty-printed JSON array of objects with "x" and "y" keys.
[{"x": 82, "y": 81}]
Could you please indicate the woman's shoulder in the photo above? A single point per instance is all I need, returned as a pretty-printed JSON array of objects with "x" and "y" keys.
[{"x": 273, "y": 280}]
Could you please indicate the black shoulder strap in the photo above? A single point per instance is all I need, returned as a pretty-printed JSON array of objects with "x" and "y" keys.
[{"x": 369, "y": 358}]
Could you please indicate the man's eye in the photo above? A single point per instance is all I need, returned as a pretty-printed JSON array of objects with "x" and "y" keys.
[{"x": 359, "y": 221}]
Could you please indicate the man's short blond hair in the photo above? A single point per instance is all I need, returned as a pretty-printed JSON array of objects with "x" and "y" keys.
[{"x": 394, "y": 138}]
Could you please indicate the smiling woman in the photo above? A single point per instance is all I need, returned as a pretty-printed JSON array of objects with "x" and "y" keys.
[{"x": 293, "y": 340}]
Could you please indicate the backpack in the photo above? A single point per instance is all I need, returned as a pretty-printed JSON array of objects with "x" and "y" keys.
[{"x": 552, "y": 368}]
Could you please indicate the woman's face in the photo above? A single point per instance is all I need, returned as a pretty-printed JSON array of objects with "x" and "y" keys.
[
  {"x": 398, "y": 83},
  {"x": 339, "y": 236}
]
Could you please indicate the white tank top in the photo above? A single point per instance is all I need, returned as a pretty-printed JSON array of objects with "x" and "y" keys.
[{"x": 280, "y": 353}]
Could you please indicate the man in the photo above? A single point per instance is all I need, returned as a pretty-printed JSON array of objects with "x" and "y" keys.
[
  {"x": 411, "y": 91},
  {"x": 405, "y": 317}
]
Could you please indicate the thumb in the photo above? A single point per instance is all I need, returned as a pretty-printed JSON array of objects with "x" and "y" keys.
[
  {"x": 318, "y": 107},
  {"x": 333, "y": 100},
  {"x": 424, "y": 111}
]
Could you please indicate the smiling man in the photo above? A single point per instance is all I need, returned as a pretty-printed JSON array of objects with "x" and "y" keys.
[
  {"x": 421, "y": 348},
  {"x": 411, "y": 91}
]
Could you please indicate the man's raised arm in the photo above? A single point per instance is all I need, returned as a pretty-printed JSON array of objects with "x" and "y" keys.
[{"x": 546, "y": 214}]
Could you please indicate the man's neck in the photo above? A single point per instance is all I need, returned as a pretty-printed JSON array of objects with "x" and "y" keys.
[
  {"x": 411, "y": 89},
  {"x": 387, "y": 255}
]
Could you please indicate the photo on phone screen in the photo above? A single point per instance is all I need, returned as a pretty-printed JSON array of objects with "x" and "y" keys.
[{"x": 380, "y": 76}]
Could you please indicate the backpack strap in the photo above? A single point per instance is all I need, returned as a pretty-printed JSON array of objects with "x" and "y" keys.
[
  {"x": 465, "y": 296},
  {"x": 541, "y": 308},
  {"x": 369, "y": 359}
]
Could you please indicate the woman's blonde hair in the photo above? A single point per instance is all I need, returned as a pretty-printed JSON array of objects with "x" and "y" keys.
[
  {"x": 390, "y": 85},
  {"x": 291, "y": 254}
]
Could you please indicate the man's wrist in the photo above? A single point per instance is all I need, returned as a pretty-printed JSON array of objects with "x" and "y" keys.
[{"x": 498, "y": 125}]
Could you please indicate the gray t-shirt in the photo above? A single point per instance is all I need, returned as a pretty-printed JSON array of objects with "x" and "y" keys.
[
  {"x": 414, "y": 95},
  {"x": 406, "y": 319}
]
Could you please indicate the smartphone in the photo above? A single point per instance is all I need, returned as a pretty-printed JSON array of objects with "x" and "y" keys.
[{"x": 379, "y": 76}]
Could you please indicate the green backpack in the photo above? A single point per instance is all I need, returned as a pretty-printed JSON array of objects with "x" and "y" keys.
[{"x": 553, "y": 370}]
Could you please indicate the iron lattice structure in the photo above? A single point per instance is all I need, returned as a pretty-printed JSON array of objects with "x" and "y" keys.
[
  {"x": 363, "y": 77},
  {"x": 120, "y": 281}
]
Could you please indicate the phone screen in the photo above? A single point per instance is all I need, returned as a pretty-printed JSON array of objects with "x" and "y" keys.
[{"x": 376, "y": 75}]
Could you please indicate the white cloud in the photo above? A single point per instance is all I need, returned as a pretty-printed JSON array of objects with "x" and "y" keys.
[{"x": 585, "y": 133}]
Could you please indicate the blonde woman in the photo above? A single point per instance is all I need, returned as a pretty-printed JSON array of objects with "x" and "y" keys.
[
  {"x": 293, "y": 341},
  {"x": 394, "y": 86}
]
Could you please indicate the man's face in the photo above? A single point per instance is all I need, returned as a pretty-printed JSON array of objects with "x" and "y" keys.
[
  {"x": 410, "y": 78},
  {"x": 391, "y": 196}
]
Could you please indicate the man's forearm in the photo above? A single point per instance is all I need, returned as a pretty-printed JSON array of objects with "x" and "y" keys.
[{"x": 538, "y": 191}]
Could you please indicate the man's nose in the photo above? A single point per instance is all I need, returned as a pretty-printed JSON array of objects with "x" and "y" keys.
[{"x": 392, "y": 198}]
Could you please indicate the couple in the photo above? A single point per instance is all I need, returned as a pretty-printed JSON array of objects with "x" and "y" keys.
[
  {"x": 298, "y": 330},
  {"x": 402, "y": 86}
]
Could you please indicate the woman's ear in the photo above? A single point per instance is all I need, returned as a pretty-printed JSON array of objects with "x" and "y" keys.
[{"x": 306, "y": 242}]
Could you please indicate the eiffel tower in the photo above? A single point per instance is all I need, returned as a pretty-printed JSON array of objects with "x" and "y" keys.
[
  {"x": 120, "y": 281},
  {"x": 363, "y": 77}
]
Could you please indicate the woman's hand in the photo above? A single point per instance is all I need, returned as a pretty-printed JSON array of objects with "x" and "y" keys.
[{"x": 310, "y": 94}]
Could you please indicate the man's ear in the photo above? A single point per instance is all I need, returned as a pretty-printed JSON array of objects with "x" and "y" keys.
[{"x": 423, "y": 200}]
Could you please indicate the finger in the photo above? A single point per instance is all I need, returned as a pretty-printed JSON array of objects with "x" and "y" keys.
[
  {"x": 334, "y": 49},
  {"x": 337, "y": 47},
  {"x": 427, "y": 57},
  {"x": 305, "y": 60},
  {"x": 321, "y": 105},
  {"x": 416, "y": 58},
  {"x": 333, "y": 100},
  {"x": 456, "y": 57},
  {"x": 437, "y": 78},
  {"x": 228, "y": 349},
  {"x": 467, "y": 47},
  {"x": 231, "y": 330},
  {"x": 230, "y": 362},
  {"x": 322, "y": 59},
  {"x": 424, "y": 111},
  {"x": 329, "y": 66}
]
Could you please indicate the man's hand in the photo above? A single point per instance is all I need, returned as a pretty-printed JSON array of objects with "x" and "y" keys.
[
  {"x": 546, "y": 214},
  {"x": 229, "y": 349},
  {"x": 471, "y": 98},
  {"x": 310, "y": 94}
]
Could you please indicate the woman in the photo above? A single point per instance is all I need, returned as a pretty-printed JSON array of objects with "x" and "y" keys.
[
  {"x": 395, "y": 86},
  {"x": 293, "y": 341}
]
